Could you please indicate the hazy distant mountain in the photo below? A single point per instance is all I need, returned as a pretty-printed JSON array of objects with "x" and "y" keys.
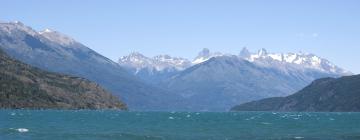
[
  {"x": 327, "y": 94},
  {"x": 161, "y": 67},
  {"x": 23, "y": 86},
  {"x": 217, "y": 81},
  {"x": 53, "y": 51},
  {"x": 153, "y": 69},
  {"x": 221, "y": 82},
  {"x": 205, "y": 55},
  {"x": 304, "y": 61},
  {"x": 138, "y": 64}
]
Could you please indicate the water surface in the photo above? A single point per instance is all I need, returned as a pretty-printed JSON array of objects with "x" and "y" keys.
[{"x": 117, "y": 125}]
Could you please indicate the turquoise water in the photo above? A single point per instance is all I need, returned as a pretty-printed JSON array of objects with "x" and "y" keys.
[{"x": 115, "y": 125}]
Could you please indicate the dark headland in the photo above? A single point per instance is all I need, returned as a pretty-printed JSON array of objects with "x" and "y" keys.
[
  {"x": 24, "y": 86},
  {"x": 322, "y": 95}
]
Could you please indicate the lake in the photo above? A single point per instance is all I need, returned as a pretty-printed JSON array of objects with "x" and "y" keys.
[{"x": 118, "y": 125}]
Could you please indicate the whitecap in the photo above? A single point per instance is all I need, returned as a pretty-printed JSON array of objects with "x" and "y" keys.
[
  {"x": 22, "y": 130},
  {"x": 188, "y": 116},
  {"x": 13, "y": 114},
  {"x": 171, "y": 118},
  {"x": 298, "y": 137}
]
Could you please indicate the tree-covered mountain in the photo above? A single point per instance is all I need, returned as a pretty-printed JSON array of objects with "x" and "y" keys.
[
  {"x": 24, "y": 86},
  {"x": 327, "y": 94}
]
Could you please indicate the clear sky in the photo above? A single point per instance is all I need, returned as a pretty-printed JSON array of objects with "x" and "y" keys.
[{"x": 328, "y": 28}]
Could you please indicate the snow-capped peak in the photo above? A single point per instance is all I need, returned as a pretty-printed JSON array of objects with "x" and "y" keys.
[
  {"x": 176, "y": 62},
  {"x": 262, "y": 52},
  {"x": 47, "y": 30},
  {"x": 160, "y": 62},
  {"x": 136, "y": 55},
  {"x": 57, "y": 37},
  {"x": 299, "y": 60},
  {"x": 169, "y": 59},
  {"x": 205, "y": 52},
  {"x": 302, "y": 60},
  {"x": 51, "y": 35},
  {"x": 18, "y": 22},
  {"x": 11, "y": 27},
  {"x": 244, "y": 53},
  {"x": 135, "y": 58},
  {"x": 205, "y": 55}
]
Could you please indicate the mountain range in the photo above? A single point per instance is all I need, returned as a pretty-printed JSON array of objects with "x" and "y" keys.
[
  {"x": 137, "y": 62},
  {"x": 322, "y": 95},
  {"x": 217, "y": 81},
  {"x": 212, "y": 81}
]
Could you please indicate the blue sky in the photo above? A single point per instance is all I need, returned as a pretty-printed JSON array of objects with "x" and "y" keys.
[{"x": 328, "y": 28}]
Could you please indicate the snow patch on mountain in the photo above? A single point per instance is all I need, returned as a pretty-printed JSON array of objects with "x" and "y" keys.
[
  {"x": 51, "y": 35},
  {"x": 159, "y": 63},
  {"x": 205, "y": 55},
  {"x": 284, "y": 61},
  {"x": 300, "y": 60},
  {"x": 9, "y": 27},
  {"x": 60, "y": 43},
  {"x": 57, "y": 37}
]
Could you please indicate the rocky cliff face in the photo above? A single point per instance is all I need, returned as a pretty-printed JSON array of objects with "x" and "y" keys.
[
  {"x": 24, "y": 86},
  {"x": 327, "y": 94}
]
